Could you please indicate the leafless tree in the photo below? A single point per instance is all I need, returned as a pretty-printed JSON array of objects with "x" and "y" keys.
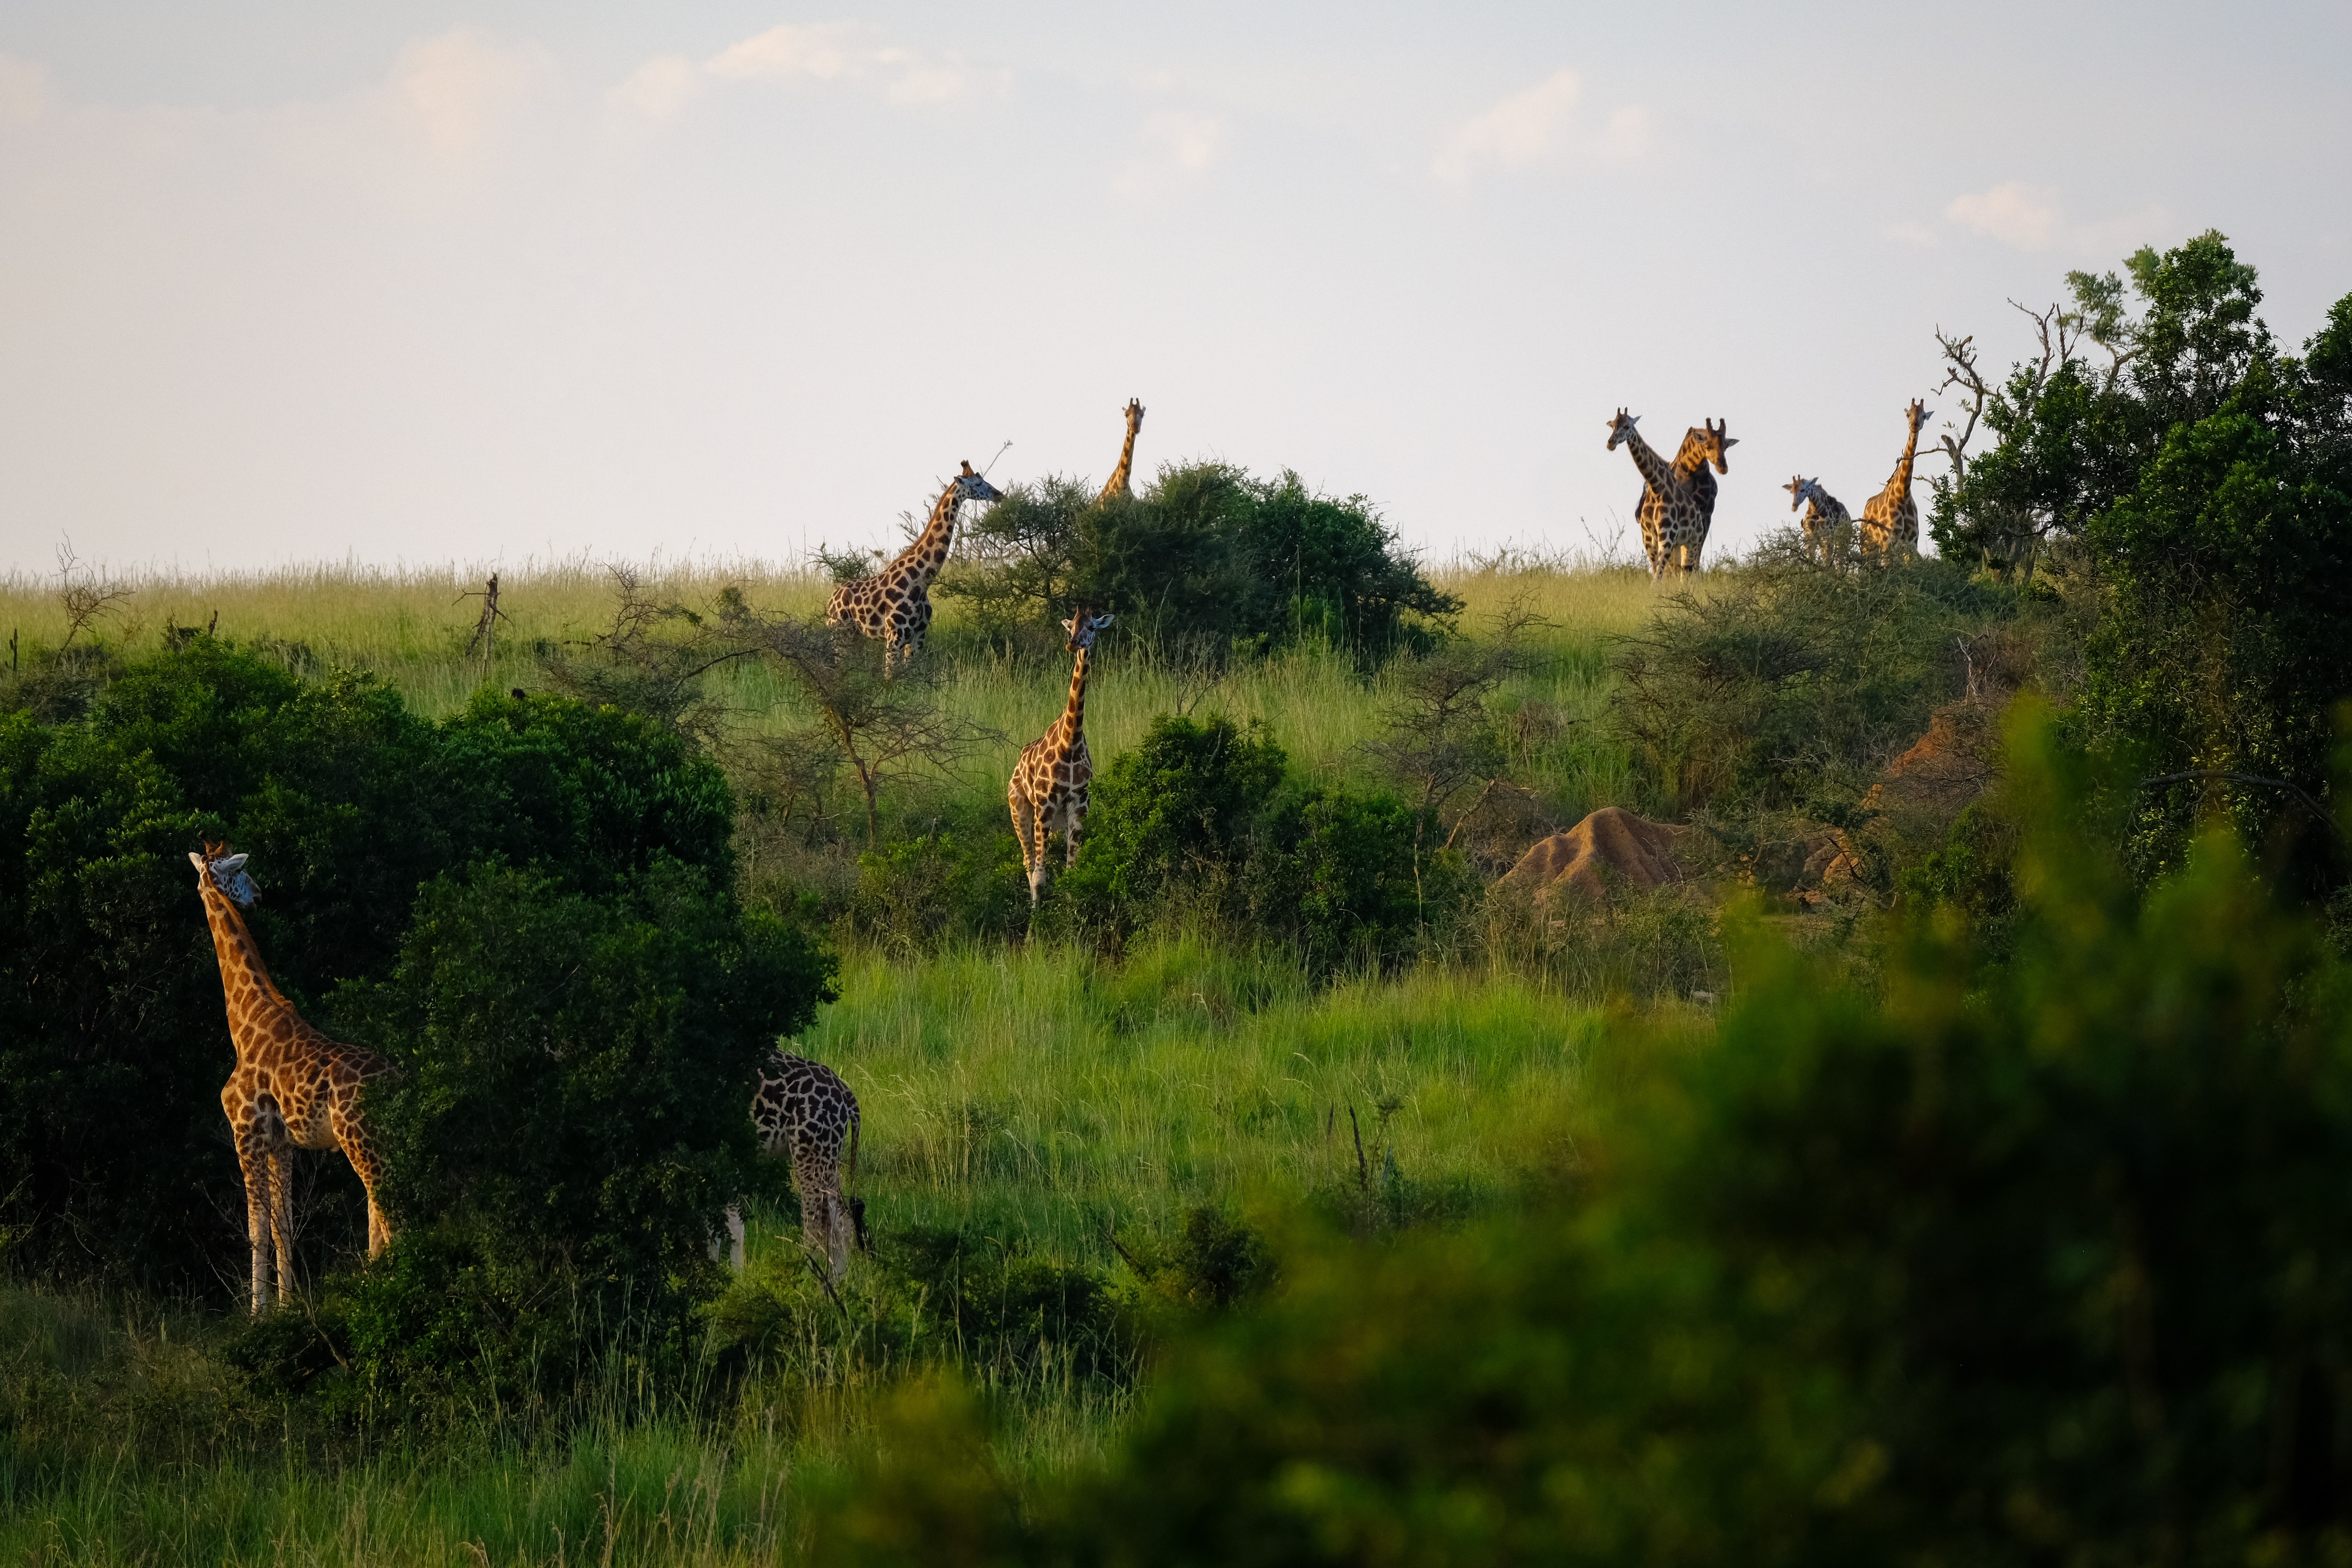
[
  {"x": 653, "y": 658},
  {"x": 887, "y": 729},
  {"x": 85, "y": 593}
]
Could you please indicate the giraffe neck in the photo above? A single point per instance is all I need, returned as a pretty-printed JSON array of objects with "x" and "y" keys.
[
  {"x": 1901, "y": 480},
  {"x": 246, "y": 985},
  {"x": 922, "y": 561},
  {"x": 1119, "y": 475},
  {"x": 1692, "y": 456},
  {"x": 1074, "y": 715},
  {"x": 1653, "y": 467}
]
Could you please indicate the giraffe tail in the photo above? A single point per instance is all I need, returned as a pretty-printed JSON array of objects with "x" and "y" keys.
[{"x": 849, "y": 1167}]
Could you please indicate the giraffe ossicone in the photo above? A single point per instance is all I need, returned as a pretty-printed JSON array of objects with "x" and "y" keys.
[
  {"x": 1049, "y": 785},
  {"x": 894, "y": 605},
  {"x": 292, "y": 1087}
]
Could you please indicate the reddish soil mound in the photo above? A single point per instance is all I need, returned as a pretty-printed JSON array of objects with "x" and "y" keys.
[
  {"x": 1635, "y": 853},
  {"x": 1945, "y": 769}
]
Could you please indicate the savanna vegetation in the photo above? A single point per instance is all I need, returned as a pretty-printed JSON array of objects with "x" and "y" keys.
[{"x": 1944, "y": 1170}]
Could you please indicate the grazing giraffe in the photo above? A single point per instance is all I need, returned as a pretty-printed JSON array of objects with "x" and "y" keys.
[
  {"x": 1672, "y": 511},
  {"x": 1826, "y": 520},
  {"x": 803, "y": 1109},
  {"x": 1890, "y": 519},
  {"x": 895, "y": 603},
  {"x": 1118, "y": 485},
  {"x": 1049, "y": 783},
  {"x": 293, "y": 1088}
]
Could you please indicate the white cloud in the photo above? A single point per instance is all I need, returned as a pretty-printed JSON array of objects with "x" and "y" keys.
[
  {"x": 660, "y": 87},
  {"x": 1182, "y": 147},
  {"x": 1541, "y": 126},
  {"x": 462, "y": 86},
  {"x": 845, "y": 52},
  {"x": 2022, "y": 216},
  {"x": 1911, "y": 232},
  {"x": 24, "y": 90}
]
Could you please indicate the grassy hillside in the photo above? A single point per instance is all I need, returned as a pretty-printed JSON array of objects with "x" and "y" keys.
[{"x": 1039, "y": 1099}]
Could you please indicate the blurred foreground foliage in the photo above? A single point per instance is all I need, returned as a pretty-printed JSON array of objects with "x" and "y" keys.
[{"x": 2034, "y": 1260}]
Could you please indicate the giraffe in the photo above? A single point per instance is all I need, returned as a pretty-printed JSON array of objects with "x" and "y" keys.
[
  {"x": 1049, "y": 783},
  {"x": 895, "y": 603},
  {"x": 1890, "y": 519},
  {"x": 803, "y": 1109},
  {"x": 1677, "y": 498},
  {"x": 1118, "y": 486},
  {"x": 293, "y": 1088},
  {"x": 1826, "y": 520}
]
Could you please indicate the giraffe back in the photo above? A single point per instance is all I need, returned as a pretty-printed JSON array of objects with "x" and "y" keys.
[{"x": 803, "y": 1109}]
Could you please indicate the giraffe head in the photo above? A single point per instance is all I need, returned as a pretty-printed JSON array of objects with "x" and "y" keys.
[
  {"x": 223, "y": 872},
  {"x": 1134, "y": 415},
  {"x": 1801, "y": 489},
  {"x": 1621, "y": 427},
  {"x": 1082, "y": 626},
  {"x": 1716, "y": 441},
  {"x": 970, "y": 486},
  {"x": 1918, "y": 413}
]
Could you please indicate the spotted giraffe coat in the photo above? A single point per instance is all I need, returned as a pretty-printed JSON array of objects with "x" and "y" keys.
[
  {"x": 803, "y": 1110},
  {"x": 1890, "y": 519},
  {"x": 292, "y": 1087},
  {"x": 893, "y": 605},
  {"x": 1118, "y": 485},
  {"x": 1049, "y": 785},
  {"x": 1825, "y": 518},
  {"x": 1676, "y": 506}
]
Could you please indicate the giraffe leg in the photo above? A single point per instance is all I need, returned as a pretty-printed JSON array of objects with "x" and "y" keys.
[
  {"x": 734, "y": 1238},
  {"x": 360, "y": 1150},
  {"x": 253, "y": 1163},
  {"x": 281, "y": 1217},
  {"x": 823, "y": 1223},
  {"x": 1073, "y": 817},
  {"x": 1024, "y": 822}
]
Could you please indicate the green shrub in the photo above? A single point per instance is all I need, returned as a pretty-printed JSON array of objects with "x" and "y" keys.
[
  {"x": 942, "y": 886},
  {"x": 575, "y": 1069},
  {"x": 1196, "y": 824},
  {"x": 1205, "y": 559}
]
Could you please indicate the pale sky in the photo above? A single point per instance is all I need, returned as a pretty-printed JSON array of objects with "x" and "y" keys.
[{"x": 507, "y": 279}]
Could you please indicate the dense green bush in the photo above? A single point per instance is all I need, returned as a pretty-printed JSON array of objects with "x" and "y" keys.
[
  {"x": 2042, "y": 1261},
  {"x": 1197, "y": 824},
  {"x": 114, "y": 1046},
  {"x": 1207, "y": 558},
  {"x": 575, "y": 1069},
  {"x": 2203, "y": 482},
  {"x": 1793, "y": 681}
]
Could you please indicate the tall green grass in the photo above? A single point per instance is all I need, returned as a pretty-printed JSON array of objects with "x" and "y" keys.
[
  {"x": 1037, "y": 1097},
  {"x": 412, "y": 626}
]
